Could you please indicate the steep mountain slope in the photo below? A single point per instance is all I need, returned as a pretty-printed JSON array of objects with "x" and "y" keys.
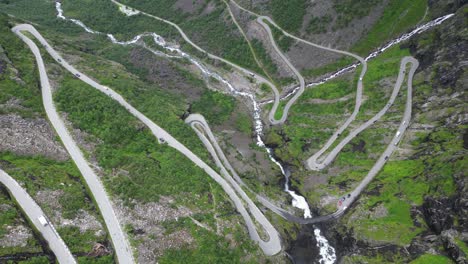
[
  {"x": 414, "y": 211},
  {"x": 31, "y": 153}
]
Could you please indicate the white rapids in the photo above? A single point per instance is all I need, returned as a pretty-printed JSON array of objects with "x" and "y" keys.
[
  {"x": 406, "y": 36},
  {"x": 327, "y": 252}
]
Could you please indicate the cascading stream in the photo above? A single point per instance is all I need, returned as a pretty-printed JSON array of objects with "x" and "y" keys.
[
  {"x": 327, "y": 252},
  {"x": 406, "y": 36}
]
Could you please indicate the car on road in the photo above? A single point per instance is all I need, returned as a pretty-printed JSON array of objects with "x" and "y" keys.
[
  {"x": 59, "y": 60},
  {"x": 386, "y": 157},
  {"x": 77, "y": 75},
  {"x": 42, "y": 220}
]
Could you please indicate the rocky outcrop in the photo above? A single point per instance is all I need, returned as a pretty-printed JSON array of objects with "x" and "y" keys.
[
  {"x": 461, "y": 202},
  {"x": 454, "y": 251},
  {"x": 29, "y": 136},
  {"x": 438, "y": 213},
  {"x": 443, "y": 215}
]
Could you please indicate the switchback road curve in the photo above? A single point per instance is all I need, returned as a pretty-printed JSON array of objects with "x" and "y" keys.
[
  {"x": 200, "y": 125},
  {"x": 312, "y": 162},
  {"x": 271, "y": 246}
]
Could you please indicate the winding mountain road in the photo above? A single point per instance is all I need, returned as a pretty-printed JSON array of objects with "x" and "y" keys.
[
  {"x": 118, "y": 237},
  {"x": 312, "y": 162},
  {"x": 271, "y": 246},
  {"x": 260, "y": 79},
  {"x": 201, "y": 127},
  {"x": 396, "y": 139},
  {"x": 260, "y": 20},
  {"x": 231, "y": 182},
  {"x": 33, "y": 212}
]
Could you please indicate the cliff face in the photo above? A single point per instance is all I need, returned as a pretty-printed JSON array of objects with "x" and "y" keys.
[{"x": 440, "y": 102}]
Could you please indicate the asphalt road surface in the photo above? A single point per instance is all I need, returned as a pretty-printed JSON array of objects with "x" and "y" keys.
[
  {"x": 119, "y": 239},
  {"x": 259, "y": 79},
  {"x": 231, "y": 186},
  {"x": 396, "y": 139},
  {"x": 312, "y": 162},
  {"x": 260, "y": 20},
  {"x": 203, "y": 130},
  {"x": 33, "y": 212},
  {"x": 200, "y": 126},
  {"x": 270, "y": 247}
]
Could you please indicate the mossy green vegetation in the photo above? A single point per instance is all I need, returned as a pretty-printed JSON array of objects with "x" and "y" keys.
[
  {"x": 329, "y": 90},
  {"x": 349, "y": 10},
  {"x": 309, "y": 122},
  {"x": 211, "y": 28},
  {"x": 11, "y": 215},
  {"x": 101, "y": 260},
  {"x": 32, "y": 260},
  {"x": 143, "y": 170},
  {"x": 244, "y": 123},
  {"x": 39, "y": 173},
  {"x": 165, "y": 108},
  {"x": 18, "y": 76},
  {"x": 104, "y": 16},
  {"x": 328, "y": 68},
  {"x": 318, "y": 25},
  {"x": 377, "y": 259},
  {"x": 288, "y": 14},
  {"x": 212, "y": 247},
  {"x": 282, "y": 41},
  {"x": 432, "y": 259},
  {"x": 36, "y": 173},
  {"x": 77, "y": 241},
  {"x": 127, "y": 145},
  {"x": 396, "y": 227},
  {"x": 267, "y": 63},
  {"x": 462, "y": 245},
  {"x": 280, "y": 110},
  {"x": 43, "y": 13},
  {"x": 215, "y": 106},
  {"x": 398, "y": 17}
]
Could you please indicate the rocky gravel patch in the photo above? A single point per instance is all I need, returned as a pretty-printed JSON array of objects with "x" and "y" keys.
[
  {"x": 29, "y": 137},
  {"x": 83, "y": 219},
  {"x": 146, "y": 220},
  {"x": 16, "y": 236}
]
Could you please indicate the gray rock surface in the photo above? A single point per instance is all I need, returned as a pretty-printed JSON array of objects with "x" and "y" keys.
[{"x": 29, "y": 137}]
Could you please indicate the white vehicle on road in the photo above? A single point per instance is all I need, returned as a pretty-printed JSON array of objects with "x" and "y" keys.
[{"x": 42, "y": 220}]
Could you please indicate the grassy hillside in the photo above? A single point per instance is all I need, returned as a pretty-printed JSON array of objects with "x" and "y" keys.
[
  {"x": 429, "y": 163},
  {"x": 399, "y": 17},
  {"x": 40, "y": 175}
]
